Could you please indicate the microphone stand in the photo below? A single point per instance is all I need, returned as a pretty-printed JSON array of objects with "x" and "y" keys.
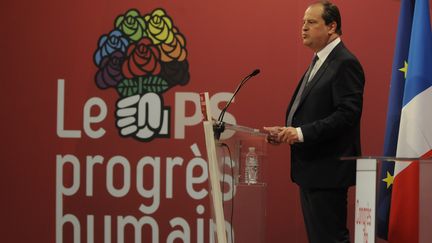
[{"x": 219, "y": 126}]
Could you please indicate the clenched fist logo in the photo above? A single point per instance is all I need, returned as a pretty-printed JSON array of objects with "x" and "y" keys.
[
  {"x": 142, "y": 57},
  {"x": 142, "y": 117}
]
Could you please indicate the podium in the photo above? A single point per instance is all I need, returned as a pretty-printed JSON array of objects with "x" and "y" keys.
[
  {"x": 238, "y": 208},
  {"x": 368, "y": 169}
]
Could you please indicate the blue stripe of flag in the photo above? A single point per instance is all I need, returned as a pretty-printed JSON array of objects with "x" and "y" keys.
[{"x": 419, "y": 76}]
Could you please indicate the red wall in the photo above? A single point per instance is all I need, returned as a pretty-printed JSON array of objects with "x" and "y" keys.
[{"x": 44, "y": 41}]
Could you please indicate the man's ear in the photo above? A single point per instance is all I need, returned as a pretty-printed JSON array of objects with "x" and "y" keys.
[{"x": 332, "y": 27}]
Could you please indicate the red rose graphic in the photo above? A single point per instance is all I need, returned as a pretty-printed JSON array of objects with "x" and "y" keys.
[{"x": 142, "y": 59}]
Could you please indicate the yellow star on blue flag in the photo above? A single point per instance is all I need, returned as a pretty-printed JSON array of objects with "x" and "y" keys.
[
  {"x": 389, "y": 179},
  {"x": 404, "y": 69}
]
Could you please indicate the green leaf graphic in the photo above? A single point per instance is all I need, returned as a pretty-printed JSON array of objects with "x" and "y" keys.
[
  {"x": 127, "y": 87},
  {"x": 154, "y": 84},
  {"x": 142, "y": 85}
]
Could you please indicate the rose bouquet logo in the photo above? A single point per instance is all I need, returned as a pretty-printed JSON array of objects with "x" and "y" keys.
[{"x": 142, "y": 57}]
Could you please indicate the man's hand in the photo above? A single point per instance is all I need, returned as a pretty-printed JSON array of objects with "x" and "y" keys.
[
  {"x": 272, "y": 134},
  {"x": 288, "y": 135}
]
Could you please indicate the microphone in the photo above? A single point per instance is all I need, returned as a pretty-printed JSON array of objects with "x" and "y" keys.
[
  {"x": 255, "y": 72},
  {"x": 219, "y": 126}
]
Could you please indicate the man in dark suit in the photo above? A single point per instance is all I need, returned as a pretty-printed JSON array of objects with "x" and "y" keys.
[{"x": 323, "y": 125}]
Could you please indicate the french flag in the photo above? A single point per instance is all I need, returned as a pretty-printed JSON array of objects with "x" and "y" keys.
[{"x": 415, "y": 130}]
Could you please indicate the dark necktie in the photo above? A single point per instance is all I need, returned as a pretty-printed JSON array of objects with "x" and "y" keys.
[{"x": 300, "y": 91}]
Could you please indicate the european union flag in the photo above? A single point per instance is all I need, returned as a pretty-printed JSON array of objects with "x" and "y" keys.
[{"x": 395, "y": 102}]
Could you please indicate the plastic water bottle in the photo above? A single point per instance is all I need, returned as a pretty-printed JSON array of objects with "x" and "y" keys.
[{"x": 251, "y": 166}]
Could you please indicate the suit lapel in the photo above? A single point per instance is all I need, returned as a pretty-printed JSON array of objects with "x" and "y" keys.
[
  {"x": 293, "y": 97},
  {"x": 320, "y": 72},
  {"x": 315, "y": 79}
]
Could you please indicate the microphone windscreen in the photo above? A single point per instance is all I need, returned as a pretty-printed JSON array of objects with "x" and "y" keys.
[{"x": 255, "y": 72}]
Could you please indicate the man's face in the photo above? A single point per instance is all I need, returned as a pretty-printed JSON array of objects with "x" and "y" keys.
[{"x": 315, "y": 33}]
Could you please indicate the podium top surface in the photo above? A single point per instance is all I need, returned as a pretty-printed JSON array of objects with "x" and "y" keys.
[{"x": 239, "y": 128}]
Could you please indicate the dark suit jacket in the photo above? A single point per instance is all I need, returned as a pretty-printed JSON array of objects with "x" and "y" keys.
[{"x": 329, "y": 117}]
